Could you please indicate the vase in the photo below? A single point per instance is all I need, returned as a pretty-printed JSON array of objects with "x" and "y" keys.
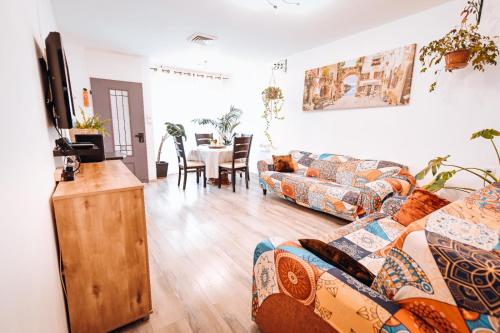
[
  {"x": 74, "y": 131},
  {"x": 161, "y": 169}
]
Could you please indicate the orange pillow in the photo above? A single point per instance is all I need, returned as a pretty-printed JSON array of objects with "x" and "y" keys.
[
  {"x": 420, "y": 204},
  {"x": 283, "y": 163}
]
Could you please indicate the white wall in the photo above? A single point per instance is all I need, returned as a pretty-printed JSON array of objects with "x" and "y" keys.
[
  {"x": 31, "y": 294},
  {"x": 85, "y": 63},
  {"x": 434, "y": 124}
]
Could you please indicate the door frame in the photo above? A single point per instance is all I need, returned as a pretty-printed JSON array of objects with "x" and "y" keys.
[{"x": 140, "y": 153}]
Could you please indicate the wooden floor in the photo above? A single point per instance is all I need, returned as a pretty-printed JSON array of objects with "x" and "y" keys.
[{"x": 201, "y": 244}]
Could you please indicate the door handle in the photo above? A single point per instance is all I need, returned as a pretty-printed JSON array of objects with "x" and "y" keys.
[{"x": 140, "y": 136}]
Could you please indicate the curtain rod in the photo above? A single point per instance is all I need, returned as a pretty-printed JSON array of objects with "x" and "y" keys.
[{"x": 189, "y": 73}]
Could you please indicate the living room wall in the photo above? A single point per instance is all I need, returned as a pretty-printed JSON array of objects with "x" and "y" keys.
[
  {"x": 32, "y": 297},
  {"x": 433, "y": 124}
]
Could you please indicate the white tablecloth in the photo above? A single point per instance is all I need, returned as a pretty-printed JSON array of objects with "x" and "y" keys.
[{"x": 212, "y": 158}]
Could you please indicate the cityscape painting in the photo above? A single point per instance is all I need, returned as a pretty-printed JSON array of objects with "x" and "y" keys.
[{"x": 382, "y": 79}]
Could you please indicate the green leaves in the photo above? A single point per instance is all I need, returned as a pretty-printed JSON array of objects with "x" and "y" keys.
[
  {"x": 432, "y": 166},
  {"x": 92, "y": 122},
  {"x": 175, "y": 130},
  {"x": 488, "y": 134},
  {"x": 273, "y": 99},
  {"x": 439, "y": 181},
  {"x": 225, "y": 125}
]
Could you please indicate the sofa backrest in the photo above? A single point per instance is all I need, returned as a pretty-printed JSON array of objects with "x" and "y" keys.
[
  {"x": 445, "y": 267},
  {"x": 347, "y": 170}
]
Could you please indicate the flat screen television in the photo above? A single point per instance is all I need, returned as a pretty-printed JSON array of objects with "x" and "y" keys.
[{"x": 61, "y": 97}]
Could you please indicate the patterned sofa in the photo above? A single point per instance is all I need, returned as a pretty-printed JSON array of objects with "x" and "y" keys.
[
  {"x": 337, "y": 184},
  {"x": 439, "y": 274}
]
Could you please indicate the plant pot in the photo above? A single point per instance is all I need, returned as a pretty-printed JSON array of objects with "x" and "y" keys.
[
  {"x": 161, "y": 169},
  {"x": 457, "y": 59},
  {"x": 74, "y": 131}
]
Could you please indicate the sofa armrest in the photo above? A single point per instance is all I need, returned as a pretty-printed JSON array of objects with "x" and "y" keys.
[
  {"x": 264, "y": 166},
  {"x": 291, "y": 271}
]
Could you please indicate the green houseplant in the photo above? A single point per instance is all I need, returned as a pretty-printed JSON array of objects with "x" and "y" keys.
[
  {"x": 440, "y": 178},
  {"x": 225, "y": 125},
  {"x": 273, "y": 99},
  {"x": 88, "y": 125},
  {"x": 461, "y": 45},
  {"x": 174, "y": 130}
]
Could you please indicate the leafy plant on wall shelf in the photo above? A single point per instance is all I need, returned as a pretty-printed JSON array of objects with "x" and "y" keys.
[
  {"x": 440, "y": 179},
  {"x": 273, "y": 102},
  {"x": 224, "y": 125},
  {"x": 93, "y": 122},
  {"x": 461, "y": 45},
  {"x": 173, "y": 130}
]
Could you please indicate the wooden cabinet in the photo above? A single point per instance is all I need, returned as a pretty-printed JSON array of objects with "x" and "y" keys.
[{"x": 101, "y": 230}]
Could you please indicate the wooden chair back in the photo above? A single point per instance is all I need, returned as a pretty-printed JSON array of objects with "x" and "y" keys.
[
  {"x": 203, "y": 138},
  {"x": 241, "y": 148},
  {"x": 179, "y": 149}
]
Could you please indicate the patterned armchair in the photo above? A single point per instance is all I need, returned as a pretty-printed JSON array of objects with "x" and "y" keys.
[
  {"x": 439, "y": 274},
  {"x": 337, "y": 184}
]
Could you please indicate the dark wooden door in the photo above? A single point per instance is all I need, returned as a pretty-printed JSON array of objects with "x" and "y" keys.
[{"x": 121, "y": 103}]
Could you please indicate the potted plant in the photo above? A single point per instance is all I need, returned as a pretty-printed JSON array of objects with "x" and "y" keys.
[
  {"x": 224, "y": 125},
  {"x": 439, "y": 179},
  {"x": 171, "y": 129},
  {"x": 273, "y": 102},
  {"x": 461, "y": 46},
  {"x": 88, "y": 125}
]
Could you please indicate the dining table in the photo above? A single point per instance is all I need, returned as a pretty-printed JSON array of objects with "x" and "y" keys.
[{"x": 212, "y": 157}]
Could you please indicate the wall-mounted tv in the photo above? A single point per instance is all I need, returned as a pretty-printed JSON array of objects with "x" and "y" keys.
[{"x": 61, "y": 97}]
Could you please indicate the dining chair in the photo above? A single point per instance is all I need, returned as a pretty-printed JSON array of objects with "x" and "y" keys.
[
  {"x": 186, "y": 166},
  {"x": 241, "y": 154},
  {"x": 203, "y": 139},
  {"x": 243, "y": 135}
]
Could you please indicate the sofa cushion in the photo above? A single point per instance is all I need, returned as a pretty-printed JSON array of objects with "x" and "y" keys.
[
  {"x": 335, "y": 157},
  {"x": 419, "y": 204},
  {"x": 339, "y": 259},
  {"x": 324, "y": 169},
  {"x": 303, "y": 158},
  {"x": 356, "y": 172},
  {"x": 283, "y": 163}
]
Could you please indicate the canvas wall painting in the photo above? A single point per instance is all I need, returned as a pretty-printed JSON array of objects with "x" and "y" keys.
[{"x": 382, "y": 79}]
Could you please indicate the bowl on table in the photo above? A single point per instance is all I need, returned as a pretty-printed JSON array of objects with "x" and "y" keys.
[{"x": 216, "y": 146}]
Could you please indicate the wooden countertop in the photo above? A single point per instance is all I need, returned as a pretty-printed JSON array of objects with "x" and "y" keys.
[{"x": 92, "y": 178}]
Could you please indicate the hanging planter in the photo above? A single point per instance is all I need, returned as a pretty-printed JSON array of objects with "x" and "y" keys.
[
  {"x": 461, "y": 46},
  {"x": 273, "y": 99},
  {"x": 457, "y": 59},
  {"x": 273, "y": 102}
]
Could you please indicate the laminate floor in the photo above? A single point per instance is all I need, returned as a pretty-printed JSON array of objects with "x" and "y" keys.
[{"x": 201, "y": 244}]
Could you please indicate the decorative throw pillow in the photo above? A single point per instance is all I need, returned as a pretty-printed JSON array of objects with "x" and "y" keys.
[
  {"x": 283, "y": 163},
  {"x": 420, "y": 204},
  {"x": 339, "y": 259}
]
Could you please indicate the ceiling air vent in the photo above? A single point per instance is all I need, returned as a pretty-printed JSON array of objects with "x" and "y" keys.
[{"x": 202, "y": 39}]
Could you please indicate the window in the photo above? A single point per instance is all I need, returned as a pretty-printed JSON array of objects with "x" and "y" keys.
[{"x": 121, "y": 121}]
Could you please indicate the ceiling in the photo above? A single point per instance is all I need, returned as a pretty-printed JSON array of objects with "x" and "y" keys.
[{"x": 245, "y": 29}]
